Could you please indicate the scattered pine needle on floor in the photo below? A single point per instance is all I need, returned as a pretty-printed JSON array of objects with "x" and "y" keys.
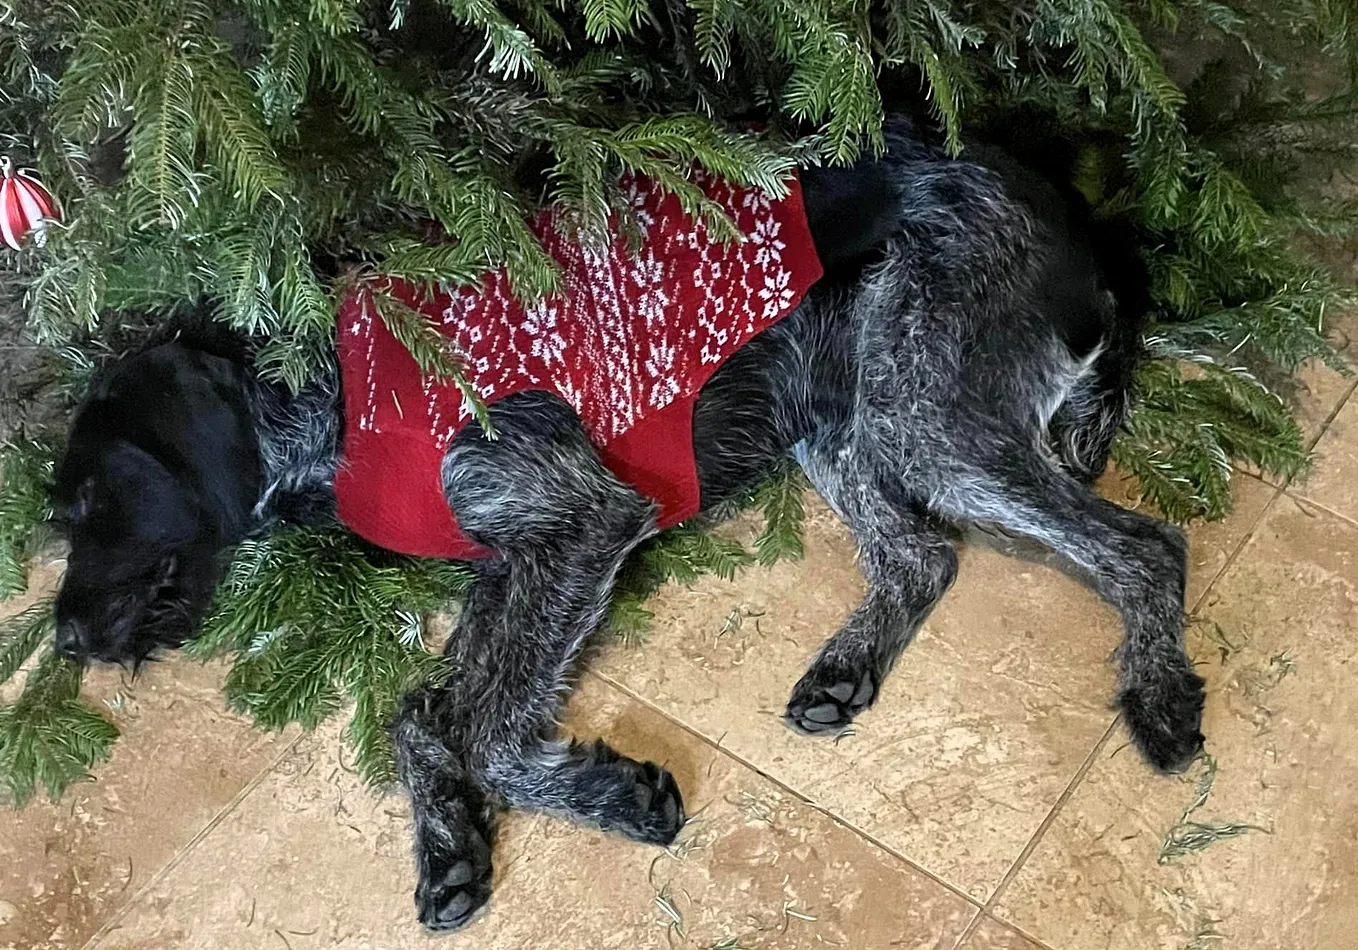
[{"x": 1188, "y": 836}]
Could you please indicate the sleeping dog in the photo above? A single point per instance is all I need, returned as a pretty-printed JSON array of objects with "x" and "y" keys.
[{"x": 966, "y": 360}]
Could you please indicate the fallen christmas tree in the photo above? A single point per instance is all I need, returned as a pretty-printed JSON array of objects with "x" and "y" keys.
[{"x": 246, "y": 155}]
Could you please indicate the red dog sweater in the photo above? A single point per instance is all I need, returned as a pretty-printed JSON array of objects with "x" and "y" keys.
[{"x": 628, "y": 344}]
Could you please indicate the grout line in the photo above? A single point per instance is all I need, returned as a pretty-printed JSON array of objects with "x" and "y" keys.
[
  {"x": 1239, "y": 548},
  {"x": 1311, "y": 444},
  {"x": 969, "y": 929},
  {"x": 1232, "y": 558},
  {"x": 1065, "y": 796},
  {"x": 116, "y": 917},
  {"x": 1305, "y": 502},
  {"x": 1236, "y": 551},
  {"x": 1338, "y": 407},
  {"x": 1036, "y": 941},
  {"x": 794, "y": 792}
]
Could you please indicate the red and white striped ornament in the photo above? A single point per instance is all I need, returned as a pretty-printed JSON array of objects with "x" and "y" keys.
[{"x": 25, "y": 206}]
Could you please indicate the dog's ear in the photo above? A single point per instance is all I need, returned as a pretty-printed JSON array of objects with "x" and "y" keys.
[{"x": 128, "y": 497}]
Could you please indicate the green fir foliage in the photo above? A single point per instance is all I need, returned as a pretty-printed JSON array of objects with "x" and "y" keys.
[
  {"x": 781, "y": 501},
  {"x": 315, "y": 619},
  {"x": 689, "y": 551},
  {"x": 21, "y": 634},
  {"x": 219, "y": 150},
  {"x": 48, "y": 736},
  {"x": 25, "y": 475}
]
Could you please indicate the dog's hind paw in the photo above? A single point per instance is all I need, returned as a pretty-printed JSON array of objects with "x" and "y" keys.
[
  {"x": 1165, "y": 719},
  {"x": 828, "y": 697},
  {"x": 454, "y": 868}
]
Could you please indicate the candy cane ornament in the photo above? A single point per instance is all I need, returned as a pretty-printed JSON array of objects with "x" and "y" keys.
[{"x": 25, "y": 206}]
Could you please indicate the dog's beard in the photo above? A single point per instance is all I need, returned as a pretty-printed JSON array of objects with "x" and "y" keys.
[{"x": 134, "y": 631}]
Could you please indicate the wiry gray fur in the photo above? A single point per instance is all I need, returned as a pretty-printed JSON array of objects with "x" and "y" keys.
[{"x": 299, "y": 438}]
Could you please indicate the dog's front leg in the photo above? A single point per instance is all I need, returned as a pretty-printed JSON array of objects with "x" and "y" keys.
[
  {"x": 561, "y": 525},
  {"x": 452, "y": 814}
]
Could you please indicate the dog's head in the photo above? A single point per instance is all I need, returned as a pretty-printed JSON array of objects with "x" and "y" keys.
[
  {"x": 159, "y": 476},
  {"x": 142, "y": 562}
]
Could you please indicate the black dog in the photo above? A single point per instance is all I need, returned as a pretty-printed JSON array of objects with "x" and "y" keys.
[{"x": 966, "y": 360}]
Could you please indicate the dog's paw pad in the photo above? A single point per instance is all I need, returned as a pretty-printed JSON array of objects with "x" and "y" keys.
[
  {"x": 453, "y": 888},
  {"x": 459, "y": 875},
  {"x": 455, "y": 911},
  {"x": 828, "y": 700}
]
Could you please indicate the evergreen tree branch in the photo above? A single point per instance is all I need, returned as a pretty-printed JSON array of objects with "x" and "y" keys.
[
  {"x": 313, "y": 619},
  {"x": 26, "y": 470},
  {"x": 48, "y": 737},
  {"x": 21, "y": 634}
]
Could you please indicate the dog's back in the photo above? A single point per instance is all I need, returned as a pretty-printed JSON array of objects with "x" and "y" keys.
[{"x": 996, "y": 294}]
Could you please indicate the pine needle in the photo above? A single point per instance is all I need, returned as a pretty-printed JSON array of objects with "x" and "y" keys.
[
  {"x": 1188, "y": 836},
  {"x": 1192, "y": 836},
  {"x": 433, "y": 352}
]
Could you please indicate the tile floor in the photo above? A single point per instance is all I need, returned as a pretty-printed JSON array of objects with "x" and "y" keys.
[{"x": 989, "y": 801}]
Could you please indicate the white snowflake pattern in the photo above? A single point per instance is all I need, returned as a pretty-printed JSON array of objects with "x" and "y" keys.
[
  {"x": 768, "y": 245},
  {"x": 542, "y": 324},
  {"x": 615, "y": 348}
]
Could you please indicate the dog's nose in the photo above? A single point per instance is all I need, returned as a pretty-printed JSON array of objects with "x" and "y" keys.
[{"x": 72, "y": 639}]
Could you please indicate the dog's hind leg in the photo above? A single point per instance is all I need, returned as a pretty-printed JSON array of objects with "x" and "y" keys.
[
  {"x": 1138, "y": 564},
  {"x": 908, "y": 564},
  {"x": 561, "y": 525}
]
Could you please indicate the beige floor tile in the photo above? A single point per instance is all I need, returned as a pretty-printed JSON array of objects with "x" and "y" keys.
[
  {"x": 1281, "y": 703},
  {"x": 1334, "y": 480},
  {"x": 980, "y": 727},
  {"x": 182, "y": 758},
  {"x": 993, "y": 935},
  {"x": 311, "y": 859}
]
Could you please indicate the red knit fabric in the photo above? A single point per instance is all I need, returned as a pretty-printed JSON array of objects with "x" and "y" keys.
[{"x": 628, "y": 344}]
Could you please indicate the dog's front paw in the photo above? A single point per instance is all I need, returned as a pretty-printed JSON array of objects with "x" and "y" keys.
[
  {"x": 453, "y": 861},
  {"x": 638, "y": 799},
  {"x": 828, "y": 697},
  {"x": 1164, "y": 717},
  {"x": 659, "y": 812}
]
